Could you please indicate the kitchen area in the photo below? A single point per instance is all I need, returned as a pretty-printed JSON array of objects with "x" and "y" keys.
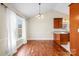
[{"x": 61, "y": 32}]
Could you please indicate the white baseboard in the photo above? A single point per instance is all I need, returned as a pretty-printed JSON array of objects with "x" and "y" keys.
[
  {"x": 41, "y": 39},
  {"x": 25, "y": 42},
  {"x": 19, "y": 45},
  {"x": 11, "y": 53}
]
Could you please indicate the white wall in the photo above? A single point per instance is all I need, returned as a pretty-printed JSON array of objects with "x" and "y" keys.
[
  {"x": 3, "y": 31},
  {"x": 42, "y": 29},
  {"x": 11, "y": 26},
  {"x": 8, "y": 31},
  {"x": 13, "y": 41}
]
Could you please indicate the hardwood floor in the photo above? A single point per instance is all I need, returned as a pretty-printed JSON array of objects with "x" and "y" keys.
[{"x": 41, "y": 48}]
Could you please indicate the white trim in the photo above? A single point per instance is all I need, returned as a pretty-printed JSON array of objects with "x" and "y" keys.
[
  {"x": 24, "y": 42},
  {"x": 19, "y": 45},
  {"x": 41, "y": 39},
  {"x": 11, "y": 53}
]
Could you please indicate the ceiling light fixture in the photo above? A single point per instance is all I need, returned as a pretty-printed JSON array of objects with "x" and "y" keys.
[{"x": 40, "y": 16}]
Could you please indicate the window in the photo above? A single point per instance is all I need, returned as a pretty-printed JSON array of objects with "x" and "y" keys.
[{"x": 19, "y": 27}]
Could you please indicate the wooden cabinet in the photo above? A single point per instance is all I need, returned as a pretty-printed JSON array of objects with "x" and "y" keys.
[
  {"x": 64, "y": 38},
  {"x": 74, "y": 26},
  {"x": 61, "y": 38},
  {"x": 57, "y": 38},
  {"x": 57, "y": 22}
]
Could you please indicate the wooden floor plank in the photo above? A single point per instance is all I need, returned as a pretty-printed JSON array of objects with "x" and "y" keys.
[{"x": 41, "y": 48}]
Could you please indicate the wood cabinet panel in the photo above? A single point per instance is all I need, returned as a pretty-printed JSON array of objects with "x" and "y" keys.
[
  {"x": 57, "y": 38},
  {"x": 61, "y": 38},
  {"x": 74, "y": 25},
  {"x": 64, "y": 38},
  {"x": 57, "y": 22},
  {"x": 56, "y": 25}
]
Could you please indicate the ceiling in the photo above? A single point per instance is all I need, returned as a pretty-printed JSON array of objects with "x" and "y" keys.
[{"x": 32, "y": 9}]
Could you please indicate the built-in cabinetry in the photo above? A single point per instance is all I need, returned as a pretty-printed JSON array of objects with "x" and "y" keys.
[
  {"x": 61, "y": 38},
  {"x": 64, "y": 38},
  {"x": 74, "y": 28},
  {"x": 61, "y": 35},
  {"x": 58, "y": 23},
  {"x": 57, "y": 38}
]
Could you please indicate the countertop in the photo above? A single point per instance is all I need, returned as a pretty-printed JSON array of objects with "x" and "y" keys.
[{"x": 60, "y": 31}]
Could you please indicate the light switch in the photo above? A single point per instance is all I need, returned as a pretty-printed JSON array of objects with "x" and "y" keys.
[{"x": 78, "y": 30}]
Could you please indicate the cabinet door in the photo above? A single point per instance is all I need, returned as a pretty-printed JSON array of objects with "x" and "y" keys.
[
  {"x": 57, "y": 38},
  {"x": 64, "y": 38},
  {"x": 57, "y": 22},
  {"x": 60, "y": 23}
]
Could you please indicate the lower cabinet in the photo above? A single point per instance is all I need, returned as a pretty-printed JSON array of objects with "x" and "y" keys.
[
  {"x": 64, "y": 38},
  {"x": 57, "y": 38},
  {"x": 61, "y": 38}
]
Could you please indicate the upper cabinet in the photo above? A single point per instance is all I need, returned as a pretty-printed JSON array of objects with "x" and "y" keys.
[{"x": 58, "y": 23}]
